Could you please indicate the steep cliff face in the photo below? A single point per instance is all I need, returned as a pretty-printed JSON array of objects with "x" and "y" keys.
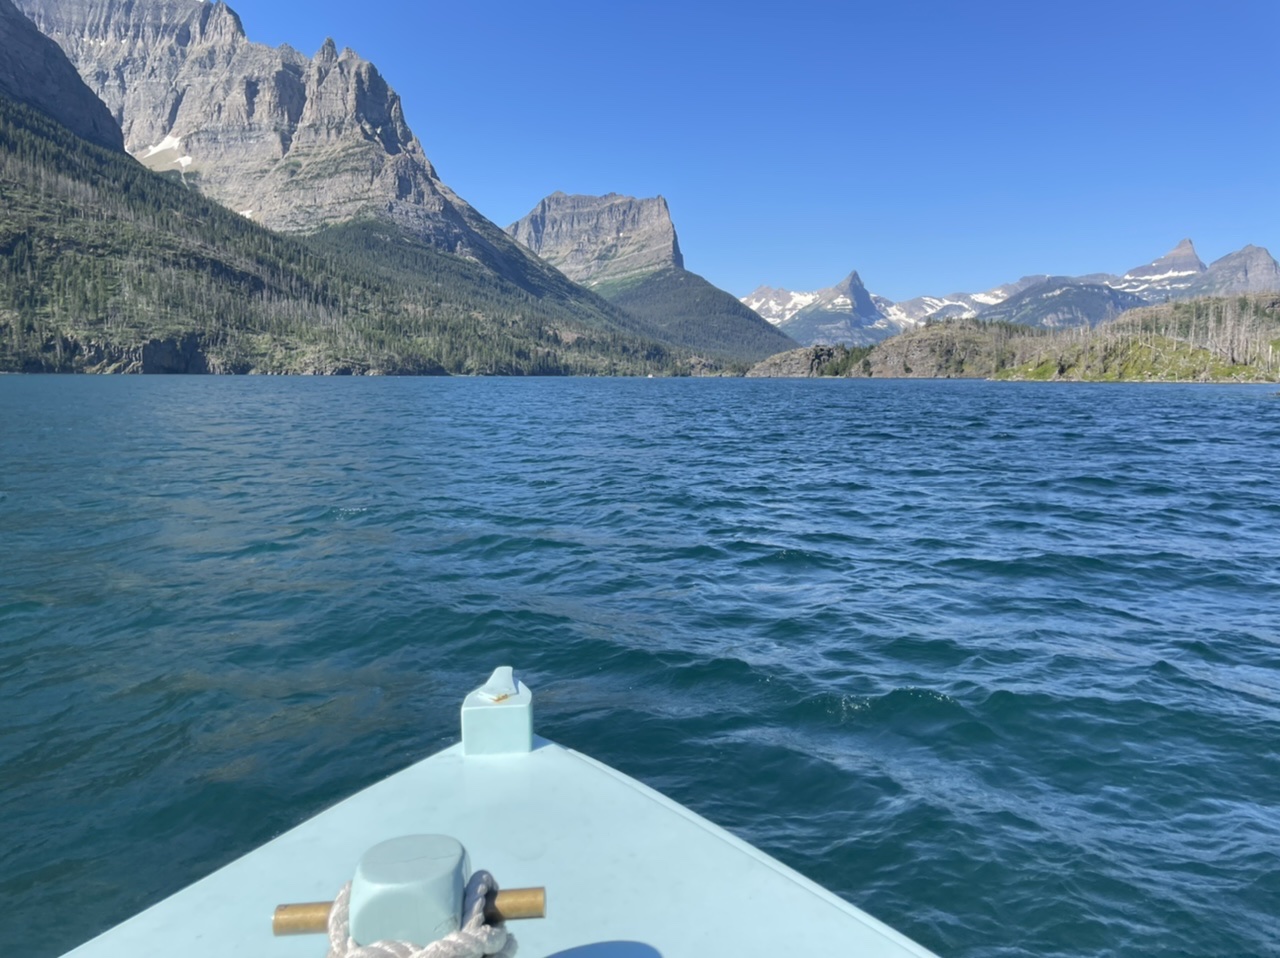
[
  {"x": 34, "y": 71},
  {"x": 626, "y": 250},
  {"x": 290, "y": 141},
  {"x": 598, "y": 239}
]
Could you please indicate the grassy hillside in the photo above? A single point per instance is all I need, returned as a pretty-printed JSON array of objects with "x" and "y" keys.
[
  {"x": 105, "y": 266},
  {"x": 685, "y": 310}
]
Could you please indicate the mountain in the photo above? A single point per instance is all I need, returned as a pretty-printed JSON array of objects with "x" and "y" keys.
[
  {"x": 777, "y": 305},
  {"x": 1223, "y": 339},
  {"x": 1248, "y": 270},
  {"x": 1173, "y": 273},
  {"x": 844, "y": 313},
  {"x": 1049, "y": 301},
  {"x": 850, "y": 315},
  {"x": 954, "y": 305},
  {"x": 108, "y": 267},
  {"x": 626, "y": 249},
  {"x": 292, "y": 142},
  {"x": 1060, "y": 301},
  {"x": 594, "y": 239},
  {"x": 35, "y": 71},
  {"x": 1180, "y": 274}
]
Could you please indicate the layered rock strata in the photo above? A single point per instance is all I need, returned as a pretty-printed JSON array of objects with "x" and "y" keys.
[
  {"x": 290, "y": 141},
  {"x": 597, "y": 239}
]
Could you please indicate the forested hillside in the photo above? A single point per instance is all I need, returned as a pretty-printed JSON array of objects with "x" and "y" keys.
[
  {"x": 682, "y": 308},
  {"x": 105, "y": 266}
]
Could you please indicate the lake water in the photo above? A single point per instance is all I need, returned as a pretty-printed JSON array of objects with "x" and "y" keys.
[{"x": 999, "y": 663}]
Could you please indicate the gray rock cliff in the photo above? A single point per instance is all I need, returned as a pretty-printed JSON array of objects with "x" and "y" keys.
[
  {"x": 626, "y": 250},
  {"x": 290, "y": 141},
  {"x": 1248, "y": 270},
  {"x": 35, "y": 71},
  {"x": 1170, "y": 275},
  {"x": 594, "y": 239},
  {"x": 802, "y": 363}
]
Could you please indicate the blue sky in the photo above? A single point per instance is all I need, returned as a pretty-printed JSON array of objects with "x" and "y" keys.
[{"x": 933, "y": 146}]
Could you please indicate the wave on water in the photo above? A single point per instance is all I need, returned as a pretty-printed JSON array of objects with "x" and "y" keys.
[{"x": 996, "y": 662}]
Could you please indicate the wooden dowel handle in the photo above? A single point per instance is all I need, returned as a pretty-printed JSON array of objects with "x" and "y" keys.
[
  {"x": 511, "y": 903},
  {"x": 304, "y": 918},
  {"x": 312, "y": 917}
]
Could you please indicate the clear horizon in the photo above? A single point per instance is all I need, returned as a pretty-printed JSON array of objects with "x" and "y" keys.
[{"x": 931, "y": 147}]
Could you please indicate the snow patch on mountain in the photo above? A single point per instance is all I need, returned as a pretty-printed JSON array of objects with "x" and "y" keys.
[
  {"x": 777, "y": 305},
  {"x": 847, "y": 313},
  {"x": 170, "y": 142}
]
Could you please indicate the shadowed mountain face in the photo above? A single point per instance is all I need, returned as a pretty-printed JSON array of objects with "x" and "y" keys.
[
  {"x": 293, "y": 142},
  {"x": 34, "y": 71}
]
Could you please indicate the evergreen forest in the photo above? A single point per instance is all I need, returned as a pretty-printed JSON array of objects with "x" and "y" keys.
[{"x": 107, "y": 267}]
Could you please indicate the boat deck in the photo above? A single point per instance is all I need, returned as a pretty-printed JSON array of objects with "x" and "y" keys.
[{"x": 628, "y": 872}]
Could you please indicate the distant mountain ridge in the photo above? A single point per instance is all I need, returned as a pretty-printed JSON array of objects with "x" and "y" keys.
[
  {"x": 845, "y": 312},
  {"x": 1050, "y": 301}
]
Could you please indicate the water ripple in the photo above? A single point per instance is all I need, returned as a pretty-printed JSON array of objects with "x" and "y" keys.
[{"x": 997, "y": 662}]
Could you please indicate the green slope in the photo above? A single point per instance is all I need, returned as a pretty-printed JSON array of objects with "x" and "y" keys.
[
  {"x": 105, "y": 266},
  {"x": 685, "y": 310}
]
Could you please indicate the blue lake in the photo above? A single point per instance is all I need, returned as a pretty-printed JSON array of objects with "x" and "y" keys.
[{"x": 999, "y": 663}]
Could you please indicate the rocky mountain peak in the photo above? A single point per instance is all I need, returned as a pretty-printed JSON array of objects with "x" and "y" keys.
[
  {"x": 593, "y": 239},
  {"x": 849, "y": 295},
  {"x": 850, "y": 283},
  {"x": 218, "y": 23},
  {"x": 1251, "y": 269},
  {"x": 292, "y": 142},
  {"x": 35, "y": 71},
  {"x": 1179, "y": 261}
]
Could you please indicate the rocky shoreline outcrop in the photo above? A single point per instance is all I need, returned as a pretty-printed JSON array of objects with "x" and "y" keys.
[
  {"x": 802, "y": 363},
  {"x": 189, "y": 354}
]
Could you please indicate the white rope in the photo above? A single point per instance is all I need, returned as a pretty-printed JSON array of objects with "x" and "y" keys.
[{"x": 474, "y": 939}]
